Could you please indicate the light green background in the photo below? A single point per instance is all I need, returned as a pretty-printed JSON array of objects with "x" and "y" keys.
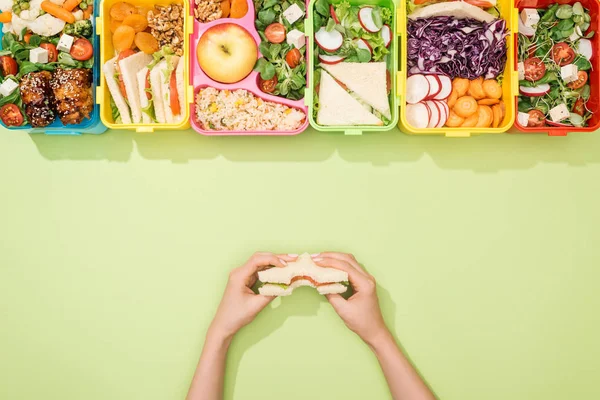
[{"x": 114, "y": 250}]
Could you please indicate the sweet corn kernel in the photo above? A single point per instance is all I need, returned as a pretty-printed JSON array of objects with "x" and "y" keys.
[
  {"x": 287, "y": 111},
  {"x": 239, "y": 102},
  {"x": 213, "y": 108}
]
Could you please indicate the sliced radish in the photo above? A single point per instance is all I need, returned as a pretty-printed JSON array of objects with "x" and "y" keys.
[
  {"x": 585, "y": 48},
  {"x": 386, "y": 35},
  {"x": 446, "y": 88},
  {"x": 446, "y": 113},
  {"x": 536, "y": 91},
  {"x": 325, "y": 59},
  {"x": 363, "y": 44},
  {"x": 417, "y": 115},
  {"x": 434, "y": 119},
  {"x": 525, "y": 30},
  {"x": 417, "y": 88},
  {"x": 329, "y": 41},
  {"x": 552, "y": 123},
  {"x": 365, "y": 17},
  {"x": 333, "y": 15},
  {"x": 434, "y": 86}
]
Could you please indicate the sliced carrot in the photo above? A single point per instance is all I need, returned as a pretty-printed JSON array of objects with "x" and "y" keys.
[
  {"x": 58, "y": 12},
  {"x": 488, "y": 102},
  {"x": 70, "y": 5},
  {"x": 496, "y": 110},
  {"x": 485, "y": 116},
  {"x": 470, "y": 122},
  {"x": 476, "y": 89},
  {"x": 465, "y": 106},
  {"x": 452, "y": 99},
  {"x": 5, "y": 17},
  {"x": 461, "y": 85},
  {"x": 87, "y": 13},
  {"x": 454, "y": 120},
  {"x": 492, "y": 89},
  {"x": 502, "y": 108},
  {"x": 225, "y": 8}
]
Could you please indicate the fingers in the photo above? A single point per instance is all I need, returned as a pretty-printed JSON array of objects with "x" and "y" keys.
[
  {"x": 358, "y": 280},
  {"x": 349, "y": 258},
  {"x": 336, "y": 301},
  {"x": 260, "y": 261}
]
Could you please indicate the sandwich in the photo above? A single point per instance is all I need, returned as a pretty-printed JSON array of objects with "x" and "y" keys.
[
  {"x": 456, "y": 9},
  {"x": 338, "y": 107},
  {"x": 146, "y": 88},
  {"x": 368, "y": 81},
  {"x": 302, "y": 272}
]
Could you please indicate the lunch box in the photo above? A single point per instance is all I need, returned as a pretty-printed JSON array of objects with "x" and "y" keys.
[
  {"x": 392, "y": 66},
  {"x": 200, "y": 80},
  {"x": 510, "y": 85},
  {"x": 107, "y": 52},
  {"x": 92, "y": 125}
]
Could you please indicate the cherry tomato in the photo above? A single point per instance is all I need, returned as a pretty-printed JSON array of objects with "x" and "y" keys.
[
  {"x": 11, "y": 115},
  {"x": 173, "y": 97},
  {"x": 293, "y": 58},
  {"x": 579, "y": 107},
  {"x": 534, "y": 69},
  {"x": 147, "y": 86},
  {"x": 562, "y": 54},
  {"x": 536, "y": 119},
  {"x": 275, "y": 33},
  {"x": 82, "y": 50},
  {"x": 8, "y": 66},
  {"x": 269, "y": 85},
  {"x": 52, "y": 52},
  {"x": 582, "y": 78},
  {"x": 27, "y": 37},
  {"x": 124, "y": 54}
]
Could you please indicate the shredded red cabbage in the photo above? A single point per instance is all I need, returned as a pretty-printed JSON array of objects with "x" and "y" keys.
[{"x": 466, "y": 48}]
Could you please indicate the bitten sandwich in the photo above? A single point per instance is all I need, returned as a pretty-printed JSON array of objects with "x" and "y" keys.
[{"x": 302, "y": 272}]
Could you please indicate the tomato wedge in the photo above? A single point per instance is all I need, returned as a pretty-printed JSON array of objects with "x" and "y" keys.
[
  {"x": 52, "y": 52},
  {"x": 582, "y": 78},
  {"x": 147, "y": 86},
  {"x": 534, "y": 69},
  {"x": 536, "y": 119},
  {"x": 8, "y": 66},
  {"x": 173, "y": 97},
  {"x": 579, "y": 107},
  {"x": 562, "y": 54},
  {"x": 11, "y": 115},
  {"x": 275, "y": 33},
  {"x": 293, "y": 58},
  {"x": 269, "y": 85},
  {"x": 479, "y": 3},
  {"x": 124, "y": 54},
  {"x": 82, "y": 50}
]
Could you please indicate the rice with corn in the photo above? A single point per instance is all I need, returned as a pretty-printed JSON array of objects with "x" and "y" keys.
[{"x": 240, "y": 110}]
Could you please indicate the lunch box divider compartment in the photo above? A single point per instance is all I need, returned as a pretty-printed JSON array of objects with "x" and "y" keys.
[
  {"x": 200, "y": 79},
  {"x": 92, "y": 125},
  {"x": 392, "y": 66},
  {"x": 510, "y": 83},
  {"x": 107, "y": 52},
  {"x": 593, "y": 6}
]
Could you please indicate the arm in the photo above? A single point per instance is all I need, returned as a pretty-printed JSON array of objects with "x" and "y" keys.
[
  {"x": 239, "y": 306},
  {"x": 361, "y": 313}
]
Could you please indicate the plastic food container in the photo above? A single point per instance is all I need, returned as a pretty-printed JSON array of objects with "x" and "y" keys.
[
  {"x": 392, "y": 66},
  {"x": 200, "y": 80},
  {"x": 93, "y": 124},
  {"x": 107, "y": 52},
  {"x": 594, "y": 73}
]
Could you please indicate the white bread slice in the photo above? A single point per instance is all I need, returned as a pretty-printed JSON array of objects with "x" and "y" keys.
[
  {"x": 156, "y": 78},
  {"x": 275, "y": 290},
  {"x": 303, "y": 266},
  {"x": 366, "y": 80},
  {"x": 113, "y": 88},
  {"x": 180, "y": 90},
  {"x": 457, "y": 9},
  {"x": 141, "y": 78},
  {"x": 338, "y": 107},
  {"x": 129, "y": 68}
]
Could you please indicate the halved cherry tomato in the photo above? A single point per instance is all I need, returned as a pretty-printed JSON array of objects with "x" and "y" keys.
[
  {"x": 582, "y": 78},
  {"x": 293, "y": 58},
  {"x": 275, "y": 33},
  {"x": 124, "y": 54},
  {"x": 480, "y": 3},
  {"x": 27, "y": 37},
  {"x": 562, "y": 54},
  {"x": 536, "y": 119},
  {"x": 8, "y": 66},
  {"x": 173, "y": 97},
  {"x": 11, "y": 115},
  {"x": 269, "y": 85},
  {"x": 82, "y": 50},
  {"x": 52, "y": 52},
  {"x": 579, "y": 107},
  {"x": 534, "y": 69},
  {"x": 147, "y": 86}
]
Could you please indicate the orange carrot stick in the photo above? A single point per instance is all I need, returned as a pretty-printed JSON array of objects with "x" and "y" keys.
[
  {"x": 70, "y": 5},
  {"x": 58, "y": 12}
]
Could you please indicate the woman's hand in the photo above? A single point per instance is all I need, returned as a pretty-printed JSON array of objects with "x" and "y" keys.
[
  {"x": 361, "y": 312},
  {"x": 240, "y": 304}
]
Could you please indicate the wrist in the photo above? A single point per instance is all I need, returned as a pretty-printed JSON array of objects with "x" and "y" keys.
[
  {"x": 219, "y": 337},
  {"x": 380, "y": 340}
]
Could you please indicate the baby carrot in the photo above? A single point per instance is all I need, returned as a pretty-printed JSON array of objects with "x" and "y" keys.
[
  {"x": 58, "y": 12},
  {"x": 70, "y": 5}
]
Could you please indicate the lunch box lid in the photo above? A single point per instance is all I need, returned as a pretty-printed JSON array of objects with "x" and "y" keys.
[
  {"x": 94, "y": 124},
  {"x": 102, "y": 93}
]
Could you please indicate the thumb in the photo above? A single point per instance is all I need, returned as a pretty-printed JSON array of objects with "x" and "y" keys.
[
  {"x": 336, "y": 301},
  {"x": 259, "y": 301}
]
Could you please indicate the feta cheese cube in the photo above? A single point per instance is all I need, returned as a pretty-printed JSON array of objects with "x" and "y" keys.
[
  {"x": 523, "y": 119},
  {"x": 293, "y": 13},
  {"x": 559, "y": 113},
  {"x": 530, "y": 17},
  {"x": 65, "y": 43},
  {"x": 38, "y": 55},
  {"x": 521, "y": 68},
  {"x": 569, "y": 73},
  {"x": 8, "y": 87},
  {"x": 296, "y": 38}
]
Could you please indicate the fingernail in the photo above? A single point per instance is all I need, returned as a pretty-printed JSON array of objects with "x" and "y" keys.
[
  {"x": 315, "y": 255},
  {"x": 317, "y": 259},
  {"x": 293, "y": 255},
  {"x": 283, "y": 261}
]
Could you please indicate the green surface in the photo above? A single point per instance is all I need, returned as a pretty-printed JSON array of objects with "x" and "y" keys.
[{"x": 114, "y": 250}]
